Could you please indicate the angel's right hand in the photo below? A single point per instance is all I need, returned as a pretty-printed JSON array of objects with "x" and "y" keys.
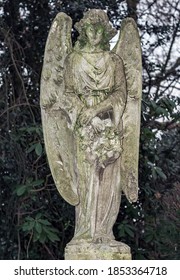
[{"x": 86, "y": 115}]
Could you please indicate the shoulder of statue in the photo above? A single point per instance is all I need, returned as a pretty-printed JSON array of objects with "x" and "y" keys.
[
  {"x": 71, "y": 57},
  {"x": 116, "y": 58}
]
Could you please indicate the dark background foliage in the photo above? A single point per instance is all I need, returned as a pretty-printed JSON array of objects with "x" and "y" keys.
[{"x": 35, "y": 222}]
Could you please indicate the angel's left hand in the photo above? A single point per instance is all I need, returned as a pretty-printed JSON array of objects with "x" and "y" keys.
[{"x": 86, "y": 116}]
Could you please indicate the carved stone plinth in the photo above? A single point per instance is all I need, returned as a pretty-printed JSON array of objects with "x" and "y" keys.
[{"x": 97, "y": 252}]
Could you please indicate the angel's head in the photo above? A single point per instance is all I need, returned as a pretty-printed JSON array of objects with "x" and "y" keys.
[{"x": 94, "y": 28}]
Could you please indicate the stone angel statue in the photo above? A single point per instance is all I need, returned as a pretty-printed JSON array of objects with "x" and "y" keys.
[{"x": 90, "y": 104}]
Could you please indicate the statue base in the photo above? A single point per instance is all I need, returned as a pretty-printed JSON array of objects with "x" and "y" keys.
[{"x": 94, "y": 251}]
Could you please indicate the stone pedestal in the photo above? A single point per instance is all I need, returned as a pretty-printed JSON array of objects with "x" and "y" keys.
[{"x": 97, "y": 252}]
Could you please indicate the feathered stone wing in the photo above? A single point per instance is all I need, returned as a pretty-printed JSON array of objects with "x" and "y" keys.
[
  {"x": 129, "y": 49},
  {"x": 58, "y": 137}
]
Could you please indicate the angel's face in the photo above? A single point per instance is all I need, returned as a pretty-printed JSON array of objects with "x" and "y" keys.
[{"x": 94, "y": 34}]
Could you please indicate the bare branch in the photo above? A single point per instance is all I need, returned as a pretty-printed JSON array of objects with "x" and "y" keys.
[{"x": 164, "y": 125}]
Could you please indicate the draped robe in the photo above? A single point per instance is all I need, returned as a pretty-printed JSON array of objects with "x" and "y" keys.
[{"x": 95, "y": 80}]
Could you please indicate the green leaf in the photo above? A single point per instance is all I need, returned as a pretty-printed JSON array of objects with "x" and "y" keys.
[
  {"x": 54, "y": 229},
  {"x": 154, "y": 174},
  {"x": 42, "y": 238},
  {"x": 39, "y": 130},
  {"x": 38, "y": 227},
  {"x": 160, "y": 173},
  {"x": 129, "y": 231},
  {"x": 153, "y": 104},
  {"x": 37, "y": 182},
  {"x": 31, "y": 148},
  {"x": 29, "y": 180},
  {"x": 121, "y": 231},
  {"x": 38, "y": 149},
  {"x": 52, "y": 236},
  {"x": 29, "y": 219},
  {"x": 28, "y": 226},
  {"x": 36, "y": 236},
  {"x": 48, "y": 229},
  {"x": 21, "y": 190},
  {"x": 161, "y": 111},
  {"x": 7, "y": 179},
  {"x": 44, "y": 222},
  {"x": 38, "y": 216},
  {"x": 148, "y": 238},
  {"x": 31, "y": 129}
]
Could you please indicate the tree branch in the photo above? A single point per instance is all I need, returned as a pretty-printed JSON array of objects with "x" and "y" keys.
[{"x": 164, "y": 125}]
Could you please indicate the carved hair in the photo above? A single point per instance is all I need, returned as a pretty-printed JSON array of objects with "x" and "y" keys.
[{"x": 95, "y": 17}]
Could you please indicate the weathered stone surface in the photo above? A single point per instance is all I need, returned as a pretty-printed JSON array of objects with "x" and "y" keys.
[
  {"x": 90, "y": 100},
  {"x": 96, "y": 252}
]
